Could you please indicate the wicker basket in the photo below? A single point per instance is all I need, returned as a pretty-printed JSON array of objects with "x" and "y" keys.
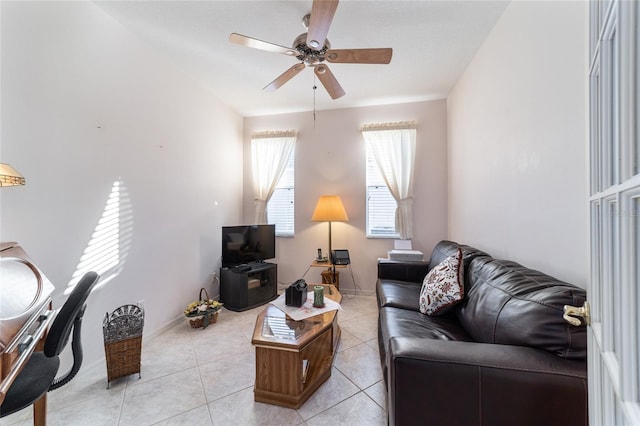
[
  {"x": 122, "y": 332},
  {"x": 199, "y": 321},
  {"x": 202, "y": 320}
]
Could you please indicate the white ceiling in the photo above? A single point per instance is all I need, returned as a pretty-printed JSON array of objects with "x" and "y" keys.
[{"x": 432, "y": 41}]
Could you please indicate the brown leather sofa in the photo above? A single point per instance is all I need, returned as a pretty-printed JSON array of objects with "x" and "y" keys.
[{"x": 502, "y": 356}]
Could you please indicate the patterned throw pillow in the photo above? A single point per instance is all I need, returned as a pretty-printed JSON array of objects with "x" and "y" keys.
[{"x": 443, "y": 286}]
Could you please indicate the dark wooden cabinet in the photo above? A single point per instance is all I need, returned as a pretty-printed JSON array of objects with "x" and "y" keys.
[{"x": 248, "y": 286}]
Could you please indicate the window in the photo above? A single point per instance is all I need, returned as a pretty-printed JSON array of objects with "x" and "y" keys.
[
  {"x": 272, "y": 163},
  {"x": 391, "y": 153},
  {"x": 281, "y": 206},
  {"x": 381, "y": 206}
]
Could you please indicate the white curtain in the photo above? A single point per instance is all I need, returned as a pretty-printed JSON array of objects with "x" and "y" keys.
[
  {"x": 394, "y": 149},
  {"x": 270, "y": 152}
]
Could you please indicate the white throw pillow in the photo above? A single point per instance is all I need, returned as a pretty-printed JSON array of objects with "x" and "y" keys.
[{"x": 443, "y": 287}]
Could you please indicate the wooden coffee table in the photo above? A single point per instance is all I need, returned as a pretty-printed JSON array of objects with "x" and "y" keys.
[{"x": 293, "y": 358}]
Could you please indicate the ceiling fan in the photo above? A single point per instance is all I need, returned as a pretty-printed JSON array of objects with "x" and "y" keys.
[{"x": 312, "y": 49}]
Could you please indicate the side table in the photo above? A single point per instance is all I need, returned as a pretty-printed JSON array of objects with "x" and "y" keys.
[{"x": 329, "y": 275}]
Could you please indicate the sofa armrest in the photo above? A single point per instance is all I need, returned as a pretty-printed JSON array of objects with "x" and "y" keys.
[
  {"x": 402, "y": 271},
  {"x": 440, "y": 382}
]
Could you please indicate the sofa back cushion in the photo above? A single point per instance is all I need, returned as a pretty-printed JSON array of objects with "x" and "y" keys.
[
  {"x": 445, "y": 249},
  {"x": 507, "y": 303}
]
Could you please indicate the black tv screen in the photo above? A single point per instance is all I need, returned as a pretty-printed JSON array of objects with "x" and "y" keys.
[{"x": 246, "y": 244}]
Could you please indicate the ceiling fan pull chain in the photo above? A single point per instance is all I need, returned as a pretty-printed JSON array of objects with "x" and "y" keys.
[{"x": 314, "y": 100}]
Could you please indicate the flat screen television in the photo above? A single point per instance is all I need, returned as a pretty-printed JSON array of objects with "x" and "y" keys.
[{"x": 247, "y": 244}]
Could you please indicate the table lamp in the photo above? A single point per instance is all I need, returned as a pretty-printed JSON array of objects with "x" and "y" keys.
[
  {"x": 329, "y": 209},
  {"x": 10, "y": 176}
]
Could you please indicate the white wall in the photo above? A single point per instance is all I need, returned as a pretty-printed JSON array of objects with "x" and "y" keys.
[
  {"x": 517, "y": 141},
  {"x": 85, "y": 103},
  {"x": 330, "y": 159}
]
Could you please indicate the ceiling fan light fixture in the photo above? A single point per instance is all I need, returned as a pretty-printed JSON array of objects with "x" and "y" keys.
[{"x": 313, "y": 48}]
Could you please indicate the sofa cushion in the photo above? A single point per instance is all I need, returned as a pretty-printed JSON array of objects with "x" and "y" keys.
[
  {"x": 443, "y": 287},
  {"x": 398, "y": 322},
  {"x": 398, "y": 294},
  {"x": 508, "y": 303}
]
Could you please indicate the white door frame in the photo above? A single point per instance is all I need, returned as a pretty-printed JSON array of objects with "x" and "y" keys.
[{"x": 614, "y": 334}]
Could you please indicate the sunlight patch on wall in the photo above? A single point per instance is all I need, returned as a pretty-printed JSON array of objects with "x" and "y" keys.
[{"x": 109, "y": 245}]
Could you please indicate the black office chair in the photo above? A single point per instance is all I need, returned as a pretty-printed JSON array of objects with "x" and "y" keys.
[{"x": 38, "y": 376}]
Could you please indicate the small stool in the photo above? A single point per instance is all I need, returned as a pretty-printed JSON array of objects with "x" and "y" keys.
[{"x": 331, "y": 277}]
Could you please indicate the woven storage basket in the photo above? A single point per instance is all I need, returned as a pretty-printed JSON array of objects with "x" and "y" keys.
[
  {"x": 198, "y": 322},
  {"x": 122, "y": 332},
  {"x": 202, "y": 320}
]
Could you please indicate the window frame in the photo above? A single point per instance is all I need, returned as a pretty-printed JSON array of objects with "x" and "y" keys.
[{"x": 375, "y": 180}]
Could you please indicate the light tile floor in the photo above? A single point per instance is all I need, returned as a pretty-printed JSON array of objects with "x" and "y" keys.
[{"x": 205, "y": 377}]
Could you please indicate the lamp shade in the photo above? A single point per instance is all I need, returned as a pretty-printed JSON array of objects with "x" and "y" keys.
[
  {"x": 10, "y": 176},
  {"x": 329, "y": 209}
]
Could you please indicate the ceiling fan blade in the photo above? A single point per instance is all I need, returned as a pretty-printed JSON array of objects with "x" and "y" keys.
[
  {"x": 322, "y": 12},
  {"x": 329, "y": 81},
  {"x": 283, "y": 78},
  {"x": 359, "y": 56},
  {"x": 262, "y": 45}
]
